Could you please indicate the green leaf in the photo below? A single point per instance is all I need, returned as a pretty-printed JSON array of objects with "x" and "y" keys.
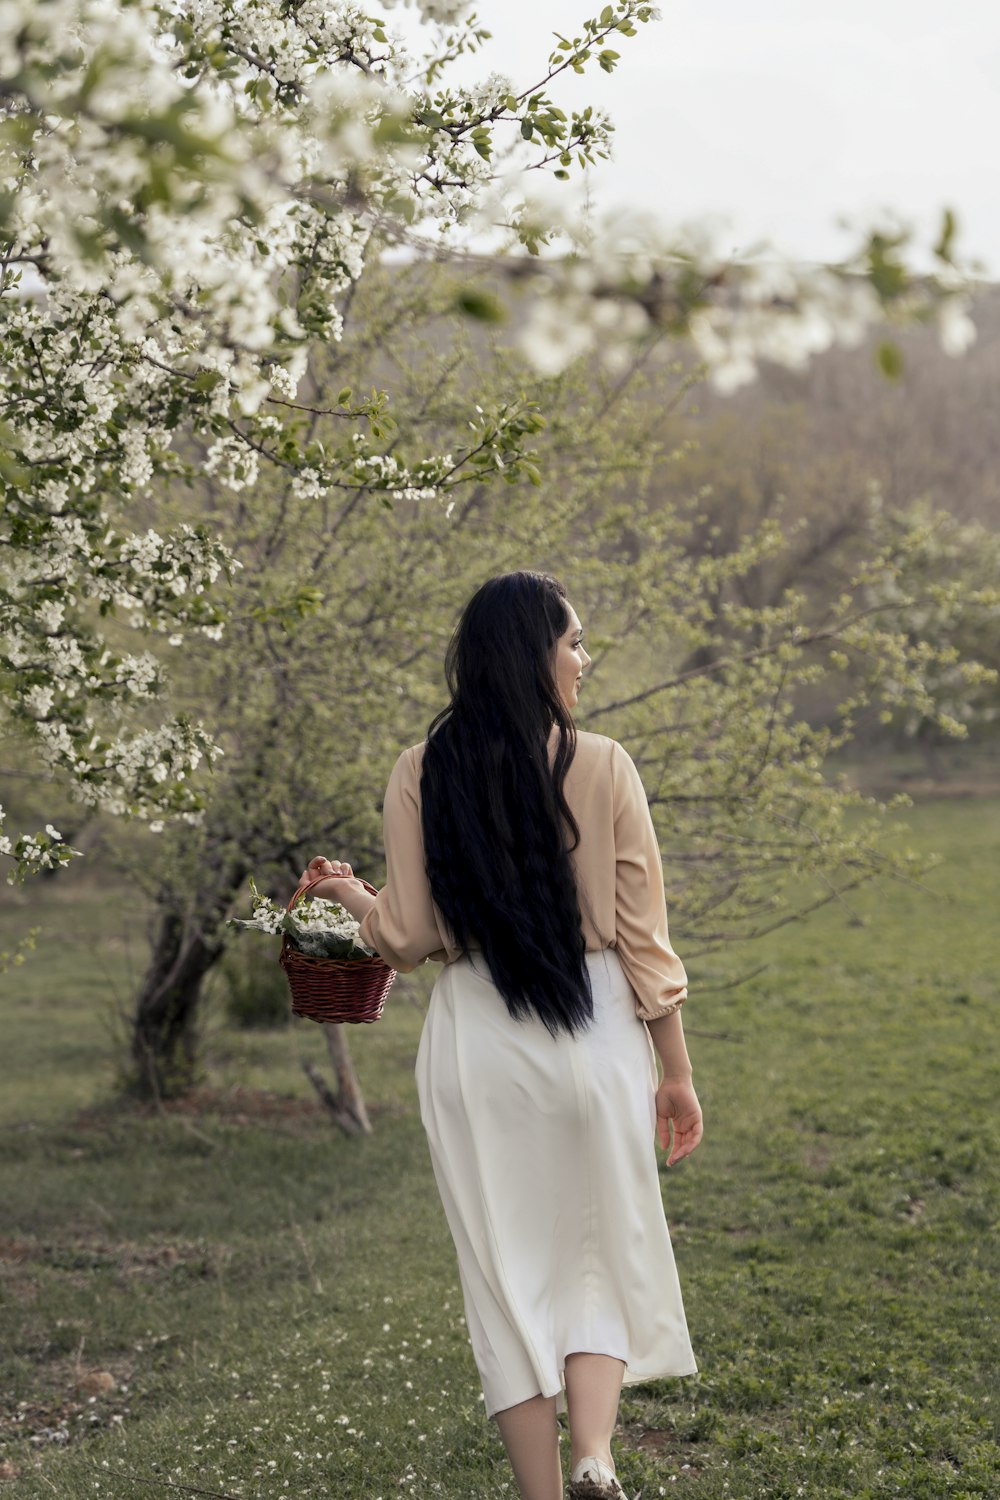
[
  {"x": 527, "y": 128},
  {"x": 476, "y": 303},
  {"x": 483, "y": 144},
  {"x": 890, "y": 360},
  {"x": 949, "y": 225},
  {"x": 344, "y": 397}
]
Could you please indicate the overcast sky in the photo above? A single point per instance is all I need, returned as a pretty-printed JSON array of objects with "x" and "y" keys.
[{"x": 785, "y": 115}]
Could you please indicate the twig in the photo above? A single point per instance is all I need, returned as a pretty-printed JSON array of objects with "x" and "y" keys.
[
  {"x": 351, "y": 1121},
  {"x": 167, "y": 1484},
  {"x": 731, "y": 984},
  {"x": 755, "y": 653},
  {"x": 307, "y": 1256},
  {"x": 318, "y": 411}
]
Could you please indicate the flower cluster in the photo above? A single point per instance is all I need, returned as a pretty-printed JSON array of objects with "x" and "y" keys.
[
  {"x": 322, "y": 929},
  {"x": 629, "y": 279},
  {"x": 33, "y": 852},
  {"x": 383, "y": 471}
]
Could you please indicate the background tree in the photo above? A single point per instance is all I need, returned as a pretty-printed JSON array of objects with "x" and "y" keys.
[{"x": 831, "y": 456}]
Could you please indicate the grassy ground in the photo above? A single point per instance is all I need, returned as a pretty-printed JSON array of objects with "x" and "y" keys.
[{"x": 235, "y": 1300}]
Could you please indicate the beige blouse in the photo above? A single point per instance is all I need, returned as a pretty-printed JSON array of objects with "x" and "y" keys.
[{"x": 617, "y": 864}]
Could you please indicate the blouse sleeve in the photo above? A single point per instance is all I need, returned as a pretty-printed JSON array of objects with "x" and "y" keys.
[
  {"x": 401, "y": 925},
  {"x": 642, "y": 941}
]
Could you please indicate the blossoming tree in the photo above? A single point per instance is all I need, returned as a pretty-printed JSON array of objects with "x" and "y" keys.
[{"x": 188, "y": 193}]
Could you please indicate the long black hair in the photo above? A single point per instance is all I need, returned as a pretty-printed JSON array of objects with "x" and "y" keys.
[{"x": 495, "y": 818}]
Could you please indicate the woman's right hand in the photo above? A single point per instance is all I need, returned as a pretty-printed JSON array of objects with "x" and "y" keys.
[
  {"x": 678, "y": 1112},
  {"x": 321, "y": 868},
  {"x": 338, "y": 883}
]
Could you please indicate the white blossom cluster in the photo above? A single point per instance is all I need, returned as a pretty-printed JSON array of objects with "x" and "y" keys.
[
  {"x": 86, "y": 418},
  {"x": 323, "y": 929},
  {"x": 628, "y": 279},
  {"x": 152, "y": 207},
  {"x": 441, "y": 12},
  {"x": 65, "y": 684},
  {"x": 316, "y": 915},
  {"x": 489, "y": 95},
  {"x": 383, "y": 471},
  {"x": 33, "y": 852}
]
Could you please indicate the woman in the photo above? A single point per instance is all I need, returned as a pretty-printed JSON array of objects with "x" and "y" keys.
[{"x": 522, "y": 855}]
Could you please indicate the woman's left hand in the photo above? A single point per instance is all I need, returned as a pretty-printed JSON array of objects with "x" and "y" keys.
[{"x": 678, "y": 1115}]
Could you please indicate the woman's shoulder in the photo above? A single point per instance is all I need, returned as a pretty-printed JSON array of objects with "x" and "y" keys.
[
  {"x": 597, "y": 746},
  {"x": 593, "y": 766},
  {"x": 403, "y": 785},
  {"x": 586, "y": 740},
  {"x": 602, "y": 759},
  {"x": 411, "y": 757},
  {"x": 406, "y": 771}
]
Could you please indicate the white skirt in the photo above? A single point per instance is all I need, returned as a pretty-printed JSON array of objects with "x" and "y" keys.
[{"x": 543, "y": 1151}]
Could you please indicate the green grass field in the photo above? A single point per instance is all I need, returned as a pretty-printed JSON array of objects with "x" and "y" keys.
[{"x": 235, "y": 1300}]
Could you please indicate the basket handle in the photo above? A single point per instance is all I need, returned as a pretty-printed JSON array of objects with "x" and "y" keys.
[{"x": 318, "y": 881}]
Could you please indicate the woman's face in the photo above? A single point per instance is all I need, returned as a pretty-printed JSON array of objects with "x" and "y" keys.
[{"x": 571, "y": 659}]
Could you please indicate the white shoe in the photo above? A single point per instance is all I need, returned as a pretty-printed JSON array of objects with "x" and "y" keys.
[{"x": 594, "y": 1480}]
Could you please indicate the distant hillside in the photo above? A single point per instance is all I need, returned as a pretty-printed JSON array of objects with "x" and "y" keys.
[{"x": 935, "y": 431}]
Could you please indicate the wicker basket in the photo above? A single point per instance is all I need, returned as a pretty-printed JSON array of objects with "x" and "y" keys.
[{"x": 334, "y": 989}]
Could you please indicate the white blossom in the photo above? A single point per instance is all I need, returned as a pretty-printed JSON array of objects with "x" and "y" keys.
[
  {"x": 49, "y": 614},
  {"x": 233, "y": 463},
  {"x": 38, "y": 700},
  {"x": 314, "y": 926},
  {"x": 955, "y": 326}
]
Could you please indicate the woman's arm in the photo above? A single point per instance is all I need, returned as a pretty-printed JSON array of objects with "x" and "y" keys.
[
  {"x": 642, "y": 937},
  {"x": 652, "y": 967},
  {"x": 667, "y": 1033},
  {"x": 401, "y": 925}
]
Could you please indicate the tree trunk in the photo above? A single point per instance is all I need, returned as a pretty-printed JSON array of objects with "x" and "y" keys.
[
  {"x": 347, "y": 1105},
  {"x": 164, "y": 1025}
]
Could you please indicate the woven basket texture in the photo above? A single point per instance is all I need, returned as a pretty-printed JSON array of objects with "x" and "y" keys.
[{"x": 334, "y": 990}]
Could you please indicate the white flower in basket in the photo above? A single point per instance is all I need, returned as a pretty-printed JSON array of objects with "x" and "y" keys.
[{"x": 321, "y": 929}]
